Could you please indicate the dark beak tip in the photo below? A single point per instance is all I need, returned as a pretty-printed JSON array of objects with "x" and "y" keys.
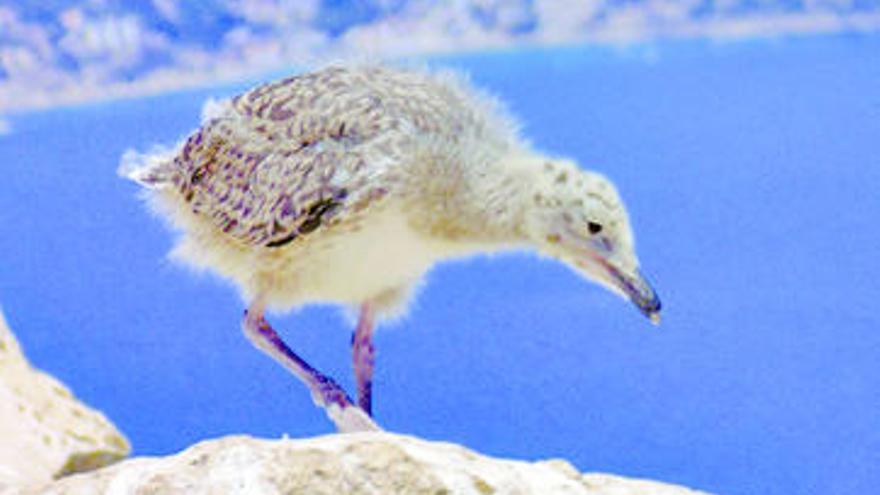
[
  {"x": 639, "y": 291},
  {"x": 651, "y": 308}
]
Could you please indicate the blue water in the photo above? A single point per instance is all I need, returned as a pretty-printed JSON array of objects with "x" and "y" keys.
[{"x": 751, "y": 173}]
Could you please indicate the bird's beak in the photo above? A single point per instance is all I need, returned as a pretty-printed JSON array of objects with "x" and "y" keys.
[
  {"x": 631, "y": 285},
  {"x": 639, "y": 291}
]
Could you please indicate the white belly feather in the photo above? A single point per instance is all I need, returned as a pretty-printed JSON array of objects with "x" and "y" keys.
[
  {"x": 385, "y": 254},
  {"x": 380, "y": 261}
]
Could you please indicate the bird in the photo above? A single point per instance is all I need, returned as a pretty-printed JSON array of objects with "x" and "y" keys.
[{"x": 346, "y": 184}]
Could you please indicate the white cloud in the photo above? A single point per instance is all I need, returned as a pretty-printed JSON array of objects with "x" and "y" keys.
[
  {"x": 5, "y": 127},
  {"x": 276, "y": 12},
  {"x": 168, "y": 9},
  {"x": 565, "y": 20},
  {"x": 119, "y": 38},
  {"x": 117, "y": 52}
]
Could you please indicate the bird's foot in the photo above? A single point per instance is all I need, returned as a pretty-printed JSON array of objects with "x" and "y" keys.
[
  {"x": 351, "y": 419},
  {"x": 325, "y": 391},
  {"x": 347, "y": 417}
]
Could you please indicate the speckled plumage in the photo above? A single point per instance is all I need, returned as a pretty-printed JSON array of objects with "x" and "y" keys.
[
  {"x": 312, "y": 154},
  {"x": 347, "y": 184},
  {"x": 286, "y": 157}
]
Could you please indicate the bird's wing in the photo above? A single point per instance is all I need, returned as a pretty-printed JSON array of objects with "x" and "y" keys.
[{"x": 271, "y": 173}]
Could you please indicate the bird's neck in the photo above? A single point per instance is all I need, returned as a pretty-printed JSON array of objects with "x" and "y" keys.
[{"x": 482, "y": 203}]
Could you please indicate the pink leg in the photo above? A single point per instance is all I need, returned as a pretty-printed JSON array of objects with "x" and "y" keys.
[
  {"x": 325, "y": 392},
  {"x": 363, "y": 357}
]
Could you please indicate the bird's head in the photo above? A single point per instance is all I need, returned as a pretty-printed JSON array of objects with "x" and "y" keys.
[{"x": 577, "y": 217}]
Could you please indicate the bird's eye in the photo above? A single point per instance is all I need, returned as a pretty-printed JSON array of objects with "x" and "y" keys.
[{"x": 594, "y": 227}]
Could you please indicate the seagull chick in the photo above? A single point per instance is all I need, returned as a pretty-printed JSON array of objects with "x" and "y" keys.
[{"x": 345, "y": 185}]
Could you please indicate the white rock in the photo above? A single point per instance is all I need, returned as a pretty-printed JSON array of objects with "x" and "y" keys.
[
  {"x": 357, "y": 464},
  {"x": 45, "y": 431}
]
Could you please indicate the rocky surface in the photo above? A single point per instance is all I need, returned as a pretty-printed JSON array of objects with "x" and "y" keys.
[
  {"x": 50, "y": 443},
  {"x": 45, "y": 432},
  {"x": 356, "y": 464}
]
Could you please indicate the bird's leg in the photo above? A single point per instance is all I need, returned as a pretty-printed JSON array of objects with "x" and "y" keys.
[
  {"x": 363, "y": 357},
  {"x": 325, "y": 392}
]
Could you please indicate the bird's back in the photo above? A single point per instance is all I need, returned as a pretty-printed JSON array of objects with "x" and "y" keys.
[{"x": 285, "y": 158}]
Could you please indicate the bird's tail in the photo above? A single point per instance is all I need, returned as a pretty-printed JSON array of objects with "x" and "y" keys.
[{"x": 152, "y": 170}]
